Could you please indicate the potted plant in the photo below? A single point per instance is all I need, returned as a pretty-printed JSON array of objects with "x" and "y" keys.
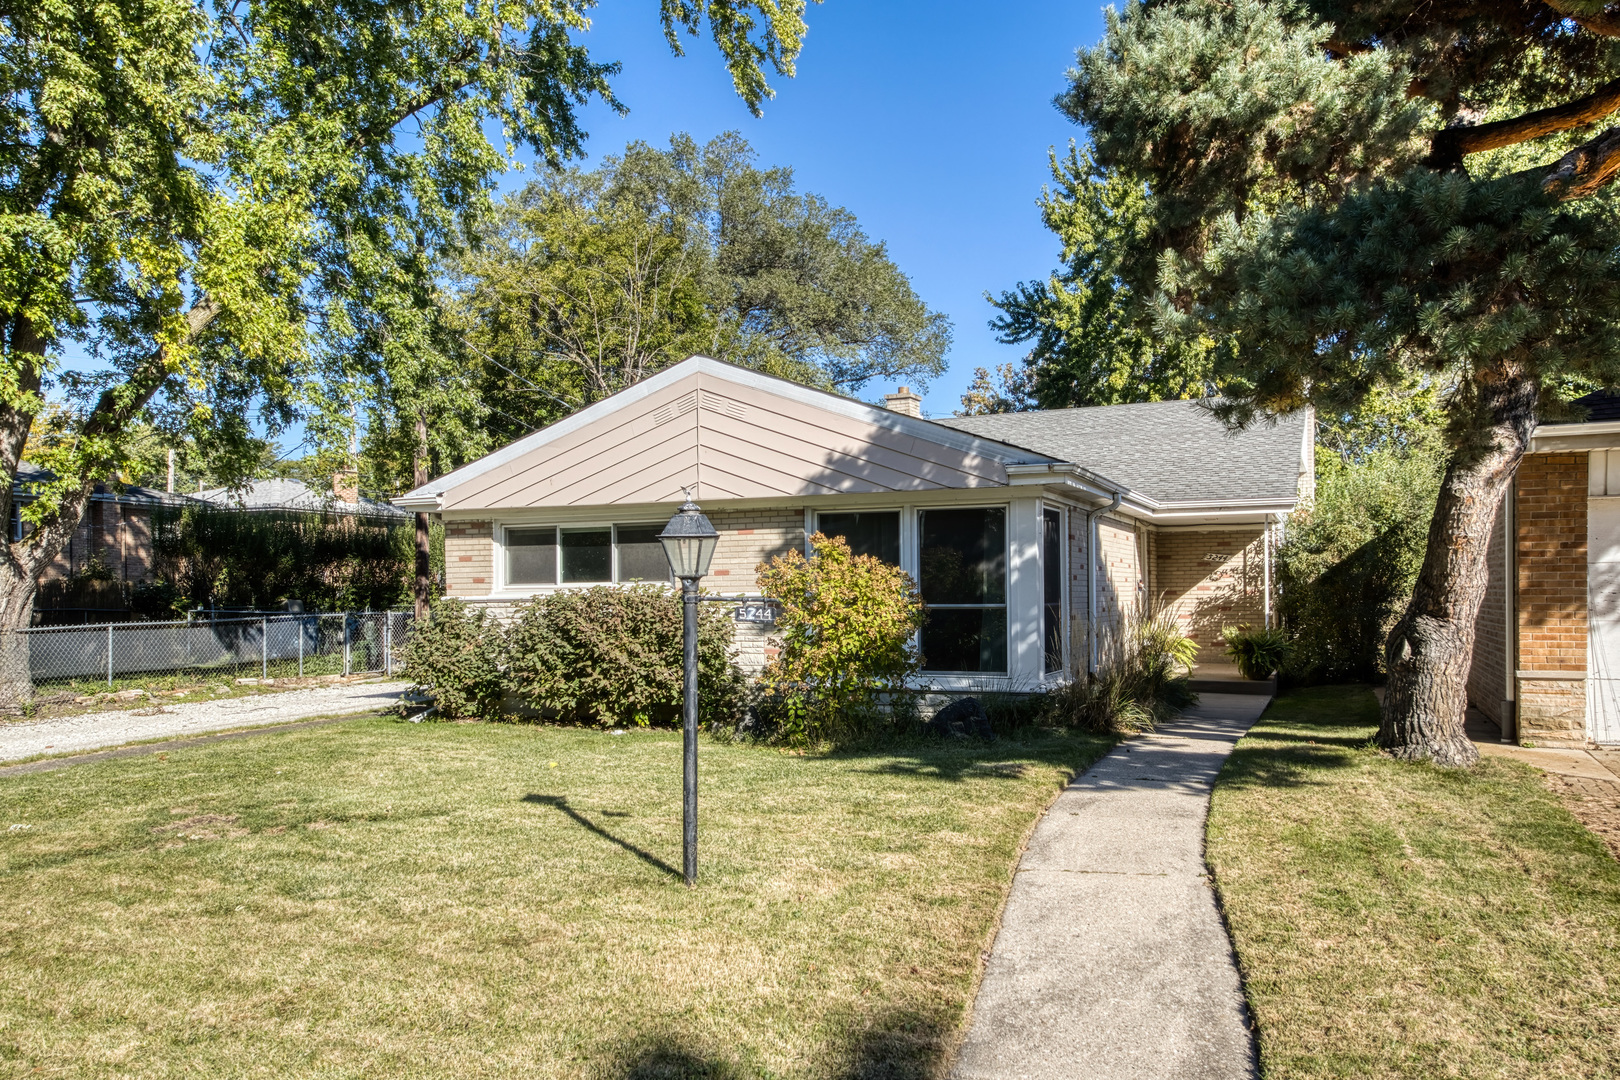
[{"x": 1257, "y": 653}]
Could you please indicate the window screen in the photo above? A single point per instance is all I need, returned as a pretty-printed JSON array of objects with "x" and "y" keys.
[
  {"x": 963, "y": 578},
  {"x": 531, "y": 556},
  {"x": 641, "y": 556},
  {"x": 1052, "y": 583},
  {"x": 874, "y": 533},
  {"x": 587, "y": 556}
]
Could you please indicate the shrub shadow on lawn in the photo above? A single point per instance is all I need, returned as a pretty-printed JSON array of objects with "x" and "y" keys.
[
  {"x": 973, "y": 759},
  {"x": 560, "y": 802},
  {"x": 1306, "y": 730},
  {"x": 900, "y": 1044}
]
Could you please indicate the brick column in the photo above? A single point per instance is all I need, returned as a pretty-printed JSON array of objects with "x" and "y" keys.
[{"x": 1552, "y": 581}]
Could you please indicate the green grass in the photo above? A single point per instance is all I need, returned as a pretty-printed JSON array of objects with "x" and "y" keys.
[
  {"x": 377, "y": 898},
  {"x": 1404, "y": 921}
]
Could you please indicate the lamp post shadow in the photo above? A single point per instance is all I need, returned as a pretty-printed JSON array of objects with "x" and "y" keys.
[{"x": 560, "y": 802}]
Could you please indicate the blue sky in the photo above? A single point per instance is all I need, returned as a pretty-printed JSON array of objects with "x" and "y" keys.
[{"x": 930, "y": 121}]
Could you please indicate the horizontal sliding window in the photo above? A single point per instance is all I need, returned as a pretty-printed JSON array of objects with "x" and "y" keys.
[
  {"x": 867, "y": 532},
  {"x": 963, "y": 578},
  {"x": 531, "y": 556},
  {"x": 641, "y": 556},
  {"x": 594, "y": 555}
]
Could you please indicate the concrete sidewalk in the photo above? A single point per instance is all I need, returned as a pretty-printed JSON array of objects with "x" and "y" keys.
[
  {"x": 92, "y": 731},
  {"x": 1112, "y": 960}
]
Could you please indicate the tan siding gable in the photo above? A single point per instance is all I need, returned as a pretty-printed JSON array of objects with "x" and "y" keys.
[{"x": 734, "y": 442}]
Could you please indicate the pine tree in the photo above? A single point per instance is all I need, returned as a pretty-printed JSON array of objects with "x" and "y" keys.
[
  {"x": 1356, "y": 195},
  {"x": 1090, "y": 344}
]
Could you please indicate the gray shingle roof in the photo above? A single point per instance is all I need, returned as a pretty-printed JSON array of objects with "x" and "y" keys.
[
  {"x": 1173, "y": 451},
  {"x": 287, "y": 494}
]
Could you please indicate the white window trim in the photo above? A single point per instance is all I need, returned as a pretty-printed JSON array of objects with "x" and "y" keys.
[{"x": 504, "y": 589}]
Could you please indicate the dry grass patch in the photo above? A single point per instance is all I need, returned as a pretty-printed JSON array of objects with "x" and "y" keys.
[
  {"x": 1405, "y": 921},
  {"x": 376, "y": 898}
]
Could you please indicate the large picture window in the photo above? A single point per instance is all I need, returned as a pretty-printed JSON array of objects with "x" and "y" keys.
[
  {"x": 868, "y": 532},
  {"x": 597, "y": 555},
  {"x": 963, "y": 578}
]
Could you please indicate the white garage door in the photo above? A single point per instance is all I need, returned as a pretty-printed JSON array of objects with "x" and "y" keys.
[{"x": 1603, "y": 608}]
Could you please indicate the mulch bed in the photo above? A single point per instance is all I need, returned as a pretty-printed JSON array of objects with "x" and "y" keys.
[{"x": 1595, "y": 803}]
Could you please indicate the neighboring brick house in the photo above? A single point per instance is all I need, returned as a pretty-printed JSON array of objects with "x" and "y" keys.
[
  {"x": 997, "y": 517},
  {"x": 113, "y": 538},
  {"x": 1546, "y": 664}
]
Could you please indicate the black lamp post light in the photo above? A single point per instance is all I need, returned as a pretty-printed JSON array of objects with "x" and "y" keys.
[{"x": 689, "y": 541}]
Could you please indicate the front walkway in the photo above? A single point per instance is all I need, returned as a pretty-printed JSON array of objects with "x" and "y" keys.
[
  {"x": 92, "y": 731},
  {"x": 1112, "y": 960}
]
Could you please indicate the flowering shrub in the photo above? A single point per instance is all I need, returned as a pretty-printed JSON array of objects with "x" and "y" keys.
[{"x": 848, "y": 625}]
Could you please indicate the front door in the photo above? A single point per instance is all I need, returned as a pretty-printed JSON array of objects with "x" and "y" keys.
[{"x": 1603, "y": 619}]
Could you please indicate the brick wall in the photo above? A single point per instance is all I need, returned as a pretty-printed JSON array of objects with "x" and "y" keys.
[
  {"x": 1121, "y": 584},
  {"x": 120, "y": 534},
  {"x": 469, "y": 558},
  {"x": 1552, "y": 582},
  {"x": 1204, "y": 594},
  {"x": 1487, "y": 672},
  {"x": 748, "y": 538}
]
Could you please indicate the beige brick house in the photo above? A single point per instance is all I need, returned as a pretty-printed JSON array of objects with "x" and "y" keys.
[
  {"x": 1546, "y": 665},
  {"x": 1024, "y": 530}
]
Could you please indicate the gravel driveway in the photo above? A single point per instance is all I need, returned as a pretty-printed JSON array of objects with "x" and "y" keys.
[{"x": 92, "y": 731}]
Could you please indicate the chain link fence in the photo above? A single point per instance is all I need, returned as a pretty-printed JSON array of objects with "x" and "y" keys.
[{"x": 278, "y": 646}]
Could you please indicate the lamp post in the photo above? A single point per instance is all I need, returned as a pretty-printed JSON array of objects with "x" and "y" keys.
[{"x": 689, "y": 541}]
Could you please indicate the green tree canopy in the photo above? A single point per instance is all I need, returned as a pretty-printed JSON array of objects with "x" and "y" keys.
[
  {"x": 1090, "y": 341},
  {"x": 222, "y": 201},
  {"x": 588, "y": 280},
  {"x": 1351, "y": 197}
]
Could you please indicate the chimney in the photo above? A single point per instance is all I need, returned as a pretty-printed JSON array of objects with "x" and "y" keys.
[
  {"x": 346, "y": 485},
  {"x": 904, "y": 402}
]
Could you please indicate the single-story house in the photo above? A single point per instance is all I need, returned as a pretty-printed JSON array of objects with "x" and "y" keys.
[
  {"x": 1023, "y": 530},
  {"x": 1546, "y": 663}
]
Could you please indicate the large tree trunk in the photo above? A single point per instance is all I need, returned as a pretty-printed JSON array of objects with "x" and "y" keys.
[
  {"x": 424, "y": 562},
  {"x": 16, "y": 612},
  {"x": 1431, "y": 647}
]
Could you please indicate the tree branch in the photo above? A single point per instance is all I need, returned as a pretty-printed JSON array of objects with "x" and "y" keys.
[
  {"x": 425, "y": 100},
  {"x": 1584, "y": 170},
  {"x": 1604, "y": 23},
  {"x": 1452, "y": 144}
]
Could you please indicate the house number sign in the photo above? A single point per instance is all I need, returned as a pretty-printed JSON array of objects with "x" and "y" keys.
[{"x": 757, "y": 611}]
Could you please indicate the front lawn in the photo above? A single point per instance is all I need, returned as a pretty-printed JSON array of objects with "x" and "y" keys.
[
  {"x": 378, "y": 898},
  {"x": 1404, "y": 921}
]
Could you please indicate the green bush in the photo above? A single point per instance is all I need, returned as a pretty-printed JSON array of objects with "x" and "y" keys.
[
  {"x": 1257, "y": 653},
  {"x": 454, "y": 659},
  {"x": 1346, "y": 566},
  {"x": 848, "y": 627},
  {"x": 1140, "y": 679},
  {"x": 333, "y": 562},
  {"x": 607, "y": 656}
]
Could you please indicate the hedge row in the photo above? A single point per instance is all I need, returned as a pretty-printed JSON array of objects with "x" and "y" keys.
[{"x": 603, "y": 655}]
